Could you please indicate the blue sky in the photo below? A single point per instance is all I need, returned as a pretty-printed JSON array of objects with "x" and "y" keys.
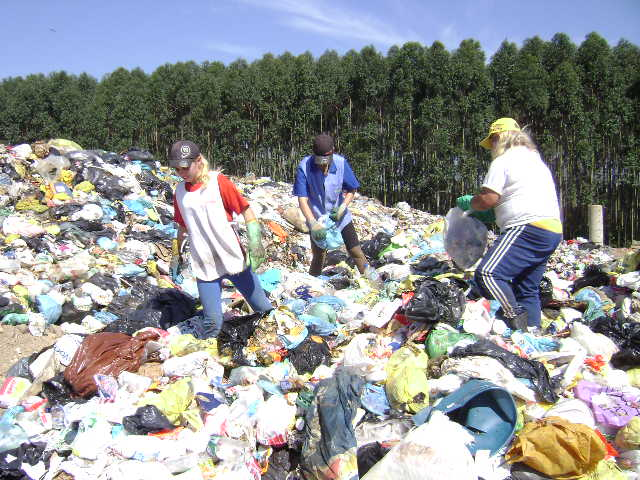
[{"x": 96, "y": 37}]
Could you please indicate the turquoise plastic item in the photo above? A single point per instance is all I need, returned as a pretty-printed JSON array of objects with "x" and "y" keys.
[
  {"x": 486, "y": 410},
  {"x": 49, "y": 308},
  {"x": 333, "y": 239}
]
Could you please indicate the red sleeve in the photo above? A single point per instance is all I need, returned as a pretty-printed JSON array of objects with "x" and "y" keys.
[
  {"x": 177, "y": 216},
  {"x": 232, "y": 200}
]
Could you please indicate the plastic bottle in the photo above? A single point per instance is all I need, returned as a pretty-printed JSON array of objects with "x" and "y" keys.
[
  {"x": 373, "y": 275},
  {"x": 57, "y": 416},
  {"x": 11, "y": 435},
  {"x": 224, "y": 448}
]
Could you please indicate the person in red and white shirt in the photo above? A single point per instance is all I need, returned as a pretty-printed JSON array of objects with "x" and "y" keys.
[{"x": 204, "y": 204}]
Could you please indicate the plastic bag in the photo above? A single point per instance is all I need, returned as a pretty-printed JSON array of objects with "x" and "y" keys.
[
  {"x": 274, "y": 419},
  {"x": 434, "y": 451},
  {"x": 436, "y": 301},
  {"x": 465, "y": 238},
  {"x": 107, "y": 354},
  {"x": 333, "y": 239},
  {"x": 407, "y": 387},
  {"x": 439, "y": 341},
  {"x": 313, "y": 351},
  {"x": 147, "y": 419}
]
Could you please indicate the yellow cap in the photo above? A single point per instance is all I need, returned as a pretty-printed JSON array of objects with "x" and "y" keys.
[{"x": 501, "y": 125}]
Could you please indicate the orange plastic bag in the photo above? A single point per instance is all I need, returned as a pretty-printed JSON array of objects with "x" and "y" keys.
[{"x": 278, "y": 230}]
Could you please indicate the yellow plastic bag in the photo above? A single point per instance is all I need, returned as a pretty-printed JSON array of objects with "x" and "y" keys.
[
  {"x": 628, "y": 437},
  {"x": 407, "y": 387},
  {"x": 85, "y": 187},
  {"x": 558, "y": 448},
  {"x": 174, "y": 403},
  {"x": 634, "y": 377},
  {"x": 185, "y": 344}
]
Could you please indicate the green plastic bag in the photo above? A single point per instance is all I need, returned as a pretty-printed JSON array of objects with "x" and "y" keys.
[
  {"x": 407, "y": 387},
  {"x": 438, "y": 341}
]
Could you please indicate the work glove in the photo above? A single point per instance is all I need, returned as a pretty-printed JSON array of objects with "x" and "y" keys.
[
  {"x": 487, "y": 216},
  {"x": 256, "y": 250},
  {"x": 318, "y": 231},
  {"x": 337, "y": 213}
]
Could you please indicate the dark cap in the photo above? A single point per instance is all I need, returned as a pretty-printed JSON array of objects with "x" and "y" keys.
[
  {"x": 182, "y": 153},
  {"x": 323, "y": 144}
]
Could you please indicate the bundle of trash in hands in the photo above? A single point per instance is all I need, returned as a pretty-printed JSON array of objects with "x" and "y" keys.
[{"x": 401, "y": 373}]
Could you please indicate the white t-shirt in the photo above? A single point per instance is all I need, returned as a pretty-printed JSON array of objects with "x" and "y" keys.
[{"x": 526, "y": 188}]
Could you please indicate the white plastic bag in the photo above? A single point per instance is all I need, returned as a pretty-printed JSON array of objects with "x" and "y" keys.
[
  {"x": 433, "y": 451},
  {"x": 465, "y": 238},
  {"x": 274, "y": 419}
]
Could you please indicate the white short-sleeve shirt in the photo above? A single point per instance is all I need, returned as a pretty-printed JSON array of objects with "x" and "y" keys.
[{"x": 526, "y": 188}]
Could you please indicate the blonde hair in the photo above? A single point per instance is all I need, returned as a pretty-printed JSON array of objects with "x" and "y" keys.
[
  {"x": 510, "y": 139},
  {"x": 203, "y": 176}
]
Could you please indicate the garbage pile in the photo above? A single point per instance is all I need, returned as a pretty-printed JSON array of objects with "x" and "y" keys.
[{"x": 406, "y": 374}]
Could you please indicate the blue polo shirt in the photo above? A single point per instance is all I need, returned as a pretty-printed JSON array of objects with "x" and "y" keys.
[
  {"x": 300, "y": 189},
  {"x": 325, "y": 191}
]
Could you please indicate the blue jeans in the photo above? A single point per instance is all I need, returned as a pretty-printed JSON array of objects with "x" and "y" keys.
[
  {"x": 511, "y": 270},
  {"x": 247, "y": 284}
]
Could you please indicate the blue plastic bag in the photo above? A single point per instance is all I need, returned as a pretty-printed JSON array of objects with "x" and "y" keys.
[
  {"x": 49, "y": 308},
  {"x": 333, "y": 239}
]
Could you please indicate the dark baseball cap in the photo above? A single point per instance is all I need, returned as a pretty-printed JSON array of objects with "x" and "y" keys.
[
  {"x": 323, "y": 144},
  {"x": 182, "y": 153}
]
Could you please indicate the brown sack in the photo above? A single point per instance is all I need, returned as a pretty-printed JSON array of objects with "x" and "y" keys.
[
  {"x": 294, "y": 216},
  {"x": 557, "y": 448},
  {"x": 106, "y": 354}
]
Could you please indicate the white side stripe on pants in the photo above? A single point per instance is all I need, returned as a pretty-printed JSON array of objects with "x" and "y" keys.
[{"x": 492, "y": 262}]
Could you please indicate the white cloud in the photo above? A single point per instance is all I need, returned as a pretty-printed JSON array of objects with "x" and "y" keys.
[
  {"x": 246, "y": 51},
  {"x": 333, "y": 21}
]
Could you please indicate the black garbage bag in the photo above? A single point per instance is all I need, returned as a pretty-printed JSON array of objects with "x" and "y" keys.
[
  {"x": 312, "y": 352},
  {"x": 593, "y": 277},
  {"x": 65, "y": 210},
  {"x": 105, "y": 281},
  {"x": 71, "y": 314},
  {"x": 165, "y": 309},
  {"x": 546, "y": 291},
  {"x": 430, "y": 266},
  {"x": 372, "y": 247},
  {"x": 279, "y": 465},
  {"x": 435, "y": 301},
  {"x": 234, "y": 335},
  {"x": 58, "y": 390},
  {"x": 147, "y": 419},
  {"x": 36, "y": 244},
  {"x": 369, "y": 455},
  {"x": 107, "y": 184},
  {"x": 11, "y": 461},
  {"x": 520, "y": 367},
  {"x": 626, "y": 335},
  {"x": 340, "y": 282},
  {"x": 136, "y": 153}
]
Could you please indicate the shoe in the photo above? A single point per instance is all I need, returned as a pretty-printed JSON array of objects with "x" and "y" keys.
[{"x": 519, "y": 322}]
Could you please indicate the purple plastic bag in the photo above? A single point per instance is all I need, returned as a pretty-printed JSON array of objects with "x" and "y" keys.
[{"x": 618, "y": 409}]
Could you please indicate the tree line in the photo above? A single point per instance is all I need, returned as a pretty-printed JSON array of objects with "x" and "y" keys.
[{"x": 409, "y": 121}]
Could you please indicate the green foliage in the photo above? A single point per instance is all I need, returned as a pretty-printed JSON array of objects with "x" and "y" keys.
[{"x": 409, "y": 121}]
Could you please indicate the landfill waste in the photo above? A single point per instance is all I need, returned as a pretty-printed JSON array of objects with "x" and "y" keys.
[{"x": 403, "y": 372}]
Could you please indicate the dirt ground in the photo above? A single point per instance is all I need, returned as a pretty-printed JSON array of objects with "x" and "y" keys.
[{"x": 17, "y": 342}]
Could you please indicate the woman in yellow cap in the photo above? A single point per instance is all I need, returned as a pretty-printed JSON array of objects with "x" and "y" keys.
[{"x": 520, "y": 189}]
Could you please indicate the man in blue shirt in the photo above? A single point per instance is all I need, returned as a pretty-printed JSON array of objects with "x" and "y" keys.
[{"x": 320, "y": 182}]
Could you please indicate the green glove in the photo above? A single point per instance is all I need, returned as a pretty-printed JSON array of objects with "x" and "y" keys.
[
  {"x": 464, "y": 202},
  {"x": 337, "y": 213},
  {"x": 486, "y": 216},
  {"x": 318, "y": 231},
  {"x": 256, "y": 250}
]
